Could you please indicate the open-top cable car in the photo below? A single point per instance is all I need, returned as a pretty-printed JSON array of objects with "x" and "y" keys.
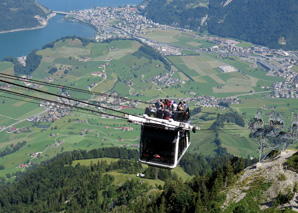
[{"x": 163, "y": 141}]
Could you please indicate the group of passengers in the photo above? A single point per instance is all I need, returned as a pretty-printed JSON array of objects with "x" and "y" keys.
[
  {"x": 170, "y": 109},
  {"x": 171, "y": 105}
]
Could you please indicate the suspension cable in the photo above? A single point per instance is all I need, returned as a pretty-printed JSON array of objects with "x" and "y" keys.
[
  {"x": 60, "y": 96},
  {"x": 76, "y": 107},
  {"x": 12, "y": 77},
  {"x": 59, "y": 103}
]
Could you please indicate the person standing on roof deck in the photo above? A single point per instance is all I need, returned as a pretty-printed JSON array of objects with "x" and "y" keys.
[
  {"x": 185, "y": 106},
  {"x": 157, "y": 104},
  {"x": 180, "y": 106},
  {"x": 171, "y": 105},
  {"x": 168, "y": 104},
  {"x": 161, "y": 104},
  {"x": 165, "y": 103},
  {"x": 175, "y": 105}
]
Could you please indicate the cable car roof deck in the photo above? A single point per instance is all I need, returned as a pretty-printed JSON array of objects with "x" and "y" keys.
[
  {"x": 181, "y": 116},
  {"x": 169, "y": 124}
]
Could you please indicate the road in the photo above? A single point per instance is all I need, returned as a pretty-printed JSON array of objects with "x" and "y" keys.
[
  {"x": 253, "y": 93},
  {"x": 19, "y": 121}
]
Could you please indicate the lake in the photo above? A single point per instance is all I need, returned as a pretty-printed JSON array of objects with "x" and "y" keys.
[{"x": 22, "y": 42}]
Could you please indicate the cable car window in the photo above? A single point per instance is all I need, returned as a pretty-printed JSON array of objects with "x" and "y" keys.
[
  {"x": 182, "y": 144},
  {"x": 158, "y": 145}
]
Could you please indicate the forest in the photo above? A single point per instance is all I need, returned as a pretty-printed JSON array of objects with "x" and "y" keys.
[
  {"x": 85, "y": 41},
  {"x": 57, "y": 185},
  {"x": 270, "y": 23},
  {"x": 17, "y": 14},
  {"x": 32, "y": 62},
  {"x": 12, "y": 148},
  {"x": 175, "y": 13},
  {"x": 150, "y": 53}
]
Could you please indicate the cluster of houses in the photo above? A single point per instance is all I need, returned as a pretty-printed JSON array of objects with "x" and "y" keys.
[
  {"x": 211, "y": 101},
  {"x": 22, "y": 60},
  {"x": 166, "y": 80},
  {"x": 163, "y": 48},
  {"x": 276, "y": 62},
  {"x": 125, "y": 21},
  {"x": 54, "y": 112},
  {"x": 125, "y": 128},
  {"x": 22, "y": 130}
]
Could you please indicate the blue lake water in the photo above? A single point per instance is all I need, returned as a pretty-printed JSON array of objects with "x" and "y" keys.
[{"x": 22, "y": 42}]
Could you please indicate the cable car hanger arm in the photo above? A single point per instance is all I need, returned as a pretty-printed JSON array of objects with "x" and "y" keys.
[{"x": 145, "y": 119}]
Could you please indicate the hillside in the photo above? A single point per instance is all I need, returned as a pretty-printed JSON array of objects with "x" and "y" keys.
[
  {"x": 271, "y": 183},
  {"x": 129, "y": 69},
  {"x": 89, "y": 181},
  {"x": 16, "y": 14},
  {"x": 237, "y": 19}
]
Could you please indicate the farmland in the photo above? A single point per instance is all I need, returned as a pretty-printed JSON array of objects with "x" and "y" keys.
[{"x": 125, "y": 72}]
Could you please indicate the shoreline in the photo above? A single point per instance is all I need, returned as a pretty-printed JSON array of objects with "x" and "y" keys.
[
  {"x": 43, "y": 25},
  {"x": 23, "y": 29}
]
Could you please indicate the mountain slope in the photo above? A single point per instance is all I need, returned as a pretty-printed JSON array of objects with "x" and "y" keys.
[
  {"x": 268, "y": 22},
  {"x": 19, "y": 14},
  {"x": 271, "y": 23},
  {"x": 267, "y": 185}
]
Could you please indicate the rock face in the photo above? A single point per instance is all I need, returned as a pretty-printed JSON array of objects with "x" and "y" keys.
[{"x": 275, "y": 175}]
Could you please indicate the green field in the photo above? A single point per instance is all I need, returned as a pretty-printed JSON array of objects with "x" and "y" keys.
[
  {"x": 131, "y": 75},
  {"x": 121, "y": 178},
  {"x": 178, "y": 38},
  {"x": 205, "y": 78}
]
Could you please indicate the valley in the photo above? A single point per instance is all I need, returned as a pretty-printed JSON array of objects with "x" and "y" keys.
[{"x": 62, "y": 157}]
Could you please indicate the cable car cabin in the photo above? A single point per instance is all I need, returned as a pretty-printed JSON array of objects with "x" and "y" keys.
[
  {"x": 162, "y": 147},
  {"x": 163, "y": 141}
]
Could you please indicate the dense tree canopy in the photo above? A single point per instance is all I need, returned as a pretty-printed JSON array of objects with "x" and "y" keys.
[
  {"x": 16, "y": 14},
  {"x": 271, "y": 23},
  {"x": 58, "y": 185},
  {"x": 32, "y": 62}
]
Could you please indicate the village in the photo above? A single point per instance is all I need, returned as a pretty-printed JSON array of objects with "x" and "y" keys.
[
  {"x": 276, "y": 62},
  {"x": 126, "y": 22},
  {"x": 113, "y": 22}
]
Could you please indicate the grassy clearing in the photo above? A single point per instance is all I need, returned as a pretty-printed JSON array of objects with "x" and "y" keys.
[
  {"x": 295, "y": 68},
  {"x": 178, "y": 170},
  {"x": 217, "y": 79},
  {"x": 93, "y": 161},
  {"x": 178, "y": 62},
  {"x": 202, "y": 142},
  {"x": 244, "y": 44},
  {"x": 121, "y": 178},
  {"x": 17, "y": 109},
  {"x": 239, "y": 146},
  {"x": 183, "y": 77},
  {"x": 165, "y": 36},
  {"x": 195, "y": 44},
  {"x": 201, "y": 64},
  {"x": 106, "y": 85},
  {"x": 4, "y": 65}
]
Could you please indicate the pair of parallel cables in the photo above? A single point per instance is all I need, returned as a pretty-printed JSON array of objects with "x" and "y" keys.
[{"x": 7, "y": 79}]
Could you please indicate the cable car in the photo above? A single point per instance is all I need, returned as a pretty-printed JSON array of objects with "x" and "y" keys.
[{"x": 163, "y": 140}]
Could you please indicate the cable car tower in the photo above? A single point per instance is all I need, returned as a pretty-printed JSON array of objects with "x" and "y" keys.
[{"x": 274, "y": 136}]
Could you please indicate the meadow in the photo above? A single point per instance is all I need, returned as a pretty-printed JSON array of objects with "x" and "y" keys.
[
  {"x": 120, "y": 178},
  {"x": 177, "y": 38},
  {"x": 121, "y": 63}
]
